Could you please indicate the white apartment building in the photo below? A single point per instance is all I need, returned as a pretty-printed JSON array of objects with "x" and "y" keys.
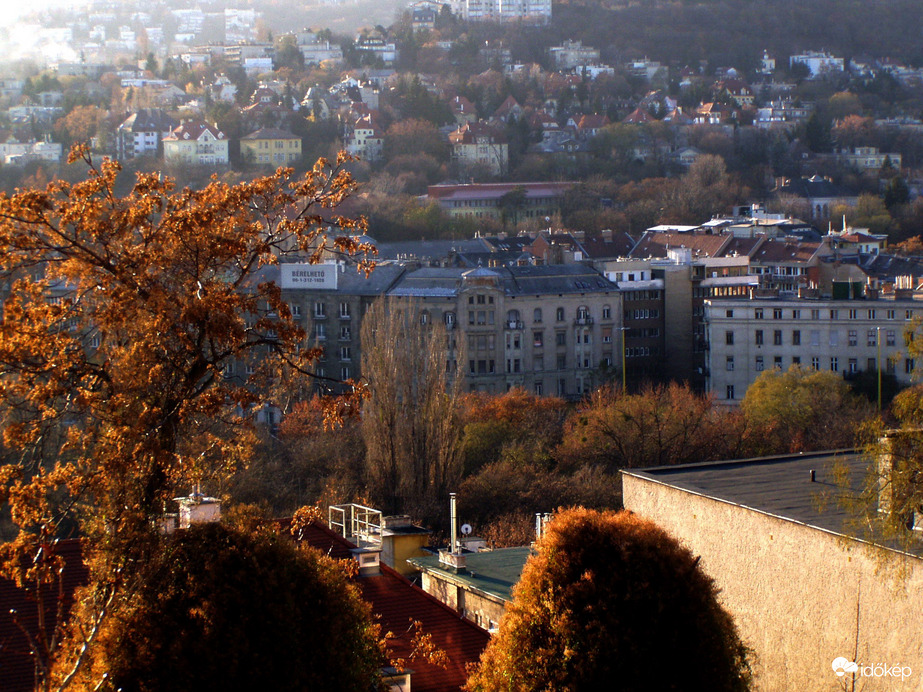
[
  {"x": 748, "y": 336},
  {"x": 502, "y": 10}
]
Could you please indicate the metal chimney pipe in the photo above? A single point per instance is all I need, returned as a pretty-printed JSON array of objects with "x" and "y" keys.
[{"x": 454, "y": 523}]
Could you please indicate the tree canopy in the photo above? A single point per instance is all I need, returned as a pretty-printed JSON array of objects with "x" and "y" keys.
[
  {"x": 225, "y": 608},
  {"x": 610, "y": 600},
  {"x": 122, "y": 319}
]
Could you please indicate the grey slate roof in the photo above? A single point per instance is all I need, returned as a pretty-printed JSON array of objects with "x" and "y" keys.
[
  {"x": 780, "y": 486},
  {"x": 516, "y": 280}
]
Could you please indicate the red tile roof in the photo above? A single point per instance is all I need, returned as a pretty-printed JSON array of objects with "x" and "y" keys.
[
  {"x": 398, "y": 603},
  {"x": 17, "y": 670}
]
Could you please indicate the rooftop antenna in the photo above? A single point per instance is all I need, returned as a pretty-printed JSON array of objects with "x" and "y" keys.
[{"x": 453, "y": 520}]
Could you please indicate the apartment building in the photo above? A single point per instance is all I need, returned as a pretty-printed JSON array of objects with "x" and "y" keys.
[{"x": 748, "y": 336}]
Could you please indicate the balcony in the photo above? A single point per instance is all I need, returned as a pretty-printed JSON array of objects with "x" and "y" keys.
[
  {"x": 514, "y": 324},
  {"x": 583, "y": 321}
]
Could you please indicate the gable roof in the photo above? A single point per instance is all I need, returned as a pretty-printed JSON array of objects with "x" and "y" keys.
[{"x": 194, "y": 129}]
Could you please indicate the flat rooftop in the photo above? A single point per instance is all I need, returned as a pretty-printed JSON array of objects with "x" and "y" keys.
[
  {"x": 492, "y": 572},
  {"x": 780, "y": 486}
]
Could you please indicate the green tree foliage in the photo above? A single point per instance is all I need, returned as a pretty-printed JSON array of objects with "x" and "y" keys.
[
  {"x": 610, "y": 599},
  {"x": 802, "y": 410},
  {"x": 226, "y": 608}
]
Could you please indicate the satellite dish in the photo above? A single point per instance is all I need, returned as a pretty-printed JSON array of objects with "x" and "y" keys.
[{"x": 466, "y": 529}]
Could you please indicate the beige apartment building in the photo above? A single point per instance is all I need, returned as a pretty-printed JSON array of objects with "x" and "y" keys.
[{"x": 747, "y": 336}]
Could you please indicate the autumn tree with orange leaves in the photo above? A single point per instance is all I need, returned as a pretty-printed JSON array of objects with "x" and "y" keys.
[
  {"x": 611, "y": 601},
  {"x": 119, "y": 317}
]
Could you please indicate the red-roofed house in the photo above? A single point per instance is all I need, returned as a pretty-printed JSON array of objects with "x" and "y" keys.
[
  {"x": 196, "y": 142},
  {"x": 638, "y": 116},
  {"x": 476, "y": 144},
  {"x": 508, "y": 110},
  {"x": 398, "y": 604},
  {"x": 463, "y": 110},
  {"x": 590, "y": 125}
]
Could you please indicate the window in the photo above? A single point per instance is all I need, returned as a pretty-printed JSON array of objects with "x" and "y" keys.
[
  {"x": 538, "y": 363},
  {"x": 344, "y": 372},
  {"x": 449, "y": 318},
  {"x": 320, "y": 310},
  {"x": 759, "y": 337},
  {"x": 796, "y": 338},
  {"x": 561, "y": 338},
  {"x": 853, "y": 365},
  {"x": 345, "y": 332},
  {"x": 834, "y": 314},
  {"x": 834, "y": 364},
  {"x": 729, "y": 338},
  {"x": 559, "y": 314},
  {"x": 345, "y": 353},
  {"x": 607, "y": 312},
  {"x": 872, "y": 313},
  {"x": 815, "y": 363},
  {"x": 796, "y": 314},
  {"x": 853, "y": 314},
  {"x": 777, "y": 313},
  {"x": 796, "y": 360},
  {"x": 834, "y": 338},
  {"x": 853, "y": 337},
  {"x": 777, "y": 362},
  {"x": 758, "y": 313},
  {"x": 815, "y": 314},
  {"x": 908, "y": 365},
  {"x": 777, "y": 337},
  {"x": 424, "y": 317},
  {"x": 538, "y": 339},
  {"x": 537, "y": 315},
  {"x": 759, "y": 363},
  {"x": 295, "y": 309},
  {"x": 890, "y": 314},
  {"x": 729, "y": 392},
  {"x": 870, "y": 364},
  {"x": 344, "y": 310},
  {"x": 890, "y": 338},
  {"x": 871, "y": 338},
  {"x": 562, "y": 362},
  {"x": 908, "y": 314},
  {"x": 730, "y": 363},
  {"x": 320, "y": 331},
  {"x": 539, "y": 387},
  {"x": 815, "y": 337},
  {"x": 729, "y": 313}
]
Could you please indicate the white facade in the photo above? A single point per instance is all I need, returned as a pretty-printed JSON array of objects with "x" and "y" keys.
[
  {"x": 502, "y": 10},
  {"x": 746, "y": 337},
  {"x": 818, "y": 63}
]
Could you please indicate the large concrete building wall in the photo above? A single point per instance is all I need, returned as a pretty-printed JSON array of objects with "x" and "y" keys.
[{"x": 800, "y": 596}]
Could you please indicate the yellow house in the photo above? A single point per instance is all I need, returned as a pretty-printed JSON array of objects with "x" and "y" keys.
[{"x": 270, "y": 147}]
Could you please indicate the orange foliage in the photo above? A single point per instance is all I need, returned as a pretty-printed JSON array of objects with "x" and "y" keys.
[
  {"x": 119, "y": 317},
  {"x": 610, "y": 597}
]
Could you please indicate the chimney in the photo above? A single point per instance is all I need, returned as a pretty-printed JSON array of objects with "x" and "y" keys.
[
  {"x": 198, "y": 509},
  {"x": 453, "y": 557}
]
